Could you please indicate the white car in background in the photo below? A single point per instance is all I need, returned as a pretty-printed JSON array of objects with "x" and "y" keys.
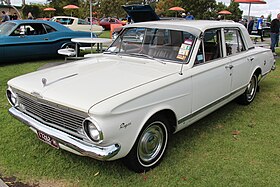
[{"x": 78, "y": 24}]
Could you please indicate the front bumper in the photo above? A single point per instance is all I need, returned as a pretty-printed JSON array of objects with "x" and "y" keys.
[{"x": 66, "y": 141}]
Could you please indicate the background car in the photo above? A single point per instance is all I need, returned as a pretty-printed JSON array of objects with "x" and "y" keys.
[
  {"x": 265, "y": 29},
  {"x": 106, "y": 22},
  {"x": 78, "y": 24},
  {"x": 33, "y": 39}
]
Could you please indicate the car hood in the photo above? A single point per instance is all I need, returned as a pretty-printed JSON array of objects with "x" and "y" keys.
[
  {"x": 85, "y": 83},
  {"x": 141, "y": 13}
]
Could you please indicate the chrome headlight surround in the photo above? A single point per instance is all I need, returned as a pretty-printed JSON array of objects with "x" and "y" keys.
[
  {"x": 12, "y": 97},
  {"x": 92, "y": 130}
]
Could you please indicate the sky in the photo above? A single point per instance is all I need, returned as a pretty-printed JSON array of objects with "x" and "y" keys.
[{"x": 272, "y": 6}]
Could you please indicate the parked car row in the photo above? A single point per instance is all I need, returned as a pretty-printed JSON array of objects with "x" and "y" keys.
[{"x": 78, "y": 24}]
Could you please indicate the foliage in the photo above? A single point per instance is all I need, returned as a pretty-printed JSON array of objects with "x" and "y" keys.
[
  {"x": 34, "y": 9},
  {"x": 236, "y": 12},
  {"x": 269, "y": 17},
  {"x": 201, "y": 9}
]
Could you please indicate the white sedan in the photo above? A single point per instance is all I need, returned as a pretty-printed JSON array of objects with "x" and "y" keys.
[
  {"x": 155, "y": 79},
  {"x": 77, "y": 24}
]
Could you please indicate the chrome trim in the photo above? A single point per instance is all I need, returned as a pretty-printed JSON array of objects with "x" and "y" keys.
[
  {"x": 68, "y": 141},
  {"x": 85, "y": 129}
]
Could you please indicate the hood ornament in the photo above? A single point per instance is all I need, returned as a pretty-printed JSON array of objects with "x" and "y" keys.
[{"x": 44, "y": 81}]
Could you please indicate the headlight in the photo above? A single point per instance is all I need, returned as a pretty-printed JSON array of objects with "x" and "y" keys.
[
  {"x": 92, "y": 131},
  {"x": 12, "y": 97}
]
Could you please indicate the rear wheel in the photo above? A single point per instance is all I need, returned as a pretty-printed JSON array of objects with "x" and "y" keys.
[
  {"x": 150, "y": 145},
  {"x": 250, "y": 93}
]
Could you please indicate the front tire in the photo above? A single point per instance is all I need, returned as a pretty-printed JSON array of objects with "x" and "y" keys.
[
  {"x": 150, "y": 146},
  {"x": 250, "y": 93}
]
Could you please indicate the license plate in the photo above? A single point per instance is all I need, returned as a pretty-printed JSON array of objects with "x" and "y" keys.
[{"x": 47, "y": 139}]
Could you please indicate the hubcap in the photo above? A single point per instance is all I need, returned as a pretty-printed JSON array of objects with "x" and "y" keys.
[
  {"x": 151, "y": 142},
  {"x": 251, "y": 89}
]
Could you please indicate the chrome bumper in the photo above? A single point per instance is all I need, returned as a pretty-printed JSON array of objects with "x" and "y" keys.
[{"x": 66, "y": 141}]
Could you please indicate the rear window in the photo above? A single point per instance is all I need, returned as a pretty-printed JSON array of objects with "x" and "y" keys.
[{"x": 6, "y": 27}]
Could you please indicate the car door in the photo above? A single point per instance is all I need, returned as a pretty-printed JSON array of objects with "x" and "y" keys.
[
  {"x": 28, "y": 40},
  {"x": 211, "y": 76},
  {"x": 241, "y": 59}
]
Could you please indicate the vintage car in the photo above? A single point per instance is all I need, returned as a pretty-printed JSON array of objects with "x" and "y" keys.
[
  {"x": 155, "y": 79},
  {"x": 107, "y": 22},
  {"x": 22, "y": 40},
  {"x": 77, "y": 24}
]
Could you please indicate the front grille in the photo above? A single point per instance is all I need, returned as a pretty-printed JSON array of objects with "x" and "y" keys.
[{"x": 51, "y": 115}]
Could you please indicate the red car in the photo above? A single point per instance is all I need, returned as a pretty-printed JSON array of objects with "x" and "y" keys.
[{"x": 106, "y": 22}]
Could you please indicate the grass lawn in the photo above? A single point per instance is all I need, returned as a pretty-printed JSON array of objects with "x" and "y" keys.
[{"x": 234, "y": 146}]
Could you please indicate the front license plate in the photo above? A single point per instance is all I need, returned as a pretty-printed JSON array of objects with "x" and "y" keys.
[{"x": 47, "y": 139}]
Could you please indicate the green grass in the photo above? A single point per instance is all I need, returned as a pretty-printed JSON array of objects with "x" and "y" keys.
[
  {"x": 105, "y": 34},
  {"x": 204, "y": 154}
]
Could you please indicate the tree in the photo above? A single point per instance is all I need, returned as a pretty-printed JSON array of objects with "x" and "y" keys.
[
  {"x": 235, "y": 10},
  {"x": 269, "y": 17},
  {"x": 201, "y": 9}
]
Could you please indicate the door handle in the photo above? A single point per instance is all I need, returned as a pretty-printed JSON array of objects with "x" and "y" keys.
[
  {"x": 46, "y": 39},
  {"x": 250, "y": 58},
  {"x": 229, "y": 67}
]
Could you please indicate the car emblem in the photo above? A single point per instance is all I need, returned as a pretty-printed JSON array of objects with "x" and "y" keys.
[
  {"x": 44, "y": 81},
  {"x": 36, "y": 94}
]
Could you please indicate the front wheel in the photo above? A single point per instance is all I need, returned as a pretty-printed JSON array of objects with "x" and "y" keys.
[
  {"x": 150, "y": 145},
  {"x": 250, "y": 93}
]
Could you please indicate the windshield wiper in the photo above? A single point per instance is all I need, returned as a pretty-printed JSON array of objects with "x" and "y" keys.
[{"x": 147, "y": 56}]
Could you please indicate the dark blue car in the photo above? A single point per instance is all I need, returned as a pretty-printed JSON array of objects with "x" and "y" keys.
[{"x": 22, "y": 40}]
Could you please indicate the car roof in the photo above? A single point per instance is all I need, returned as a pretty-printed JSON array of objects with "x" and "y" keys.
[
  {"x": 196, "y": 27},
  {"x": 193, "y": 26},
  {"x": 65, "y": 17}
]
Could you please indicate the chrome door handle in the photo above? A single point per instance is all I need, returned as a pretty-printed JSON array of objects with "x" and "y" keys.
[
  {"x": 250, "y": 58},
  {"x": 229, "y": 67}
]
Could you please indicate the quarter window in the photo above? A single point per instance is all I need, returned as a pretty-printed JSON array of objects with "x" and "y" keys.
[{"x": 234, "y": 42}]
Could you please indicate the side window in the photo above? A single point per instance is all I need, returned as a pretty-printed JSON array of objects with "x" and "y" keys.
[
  {"x": 29, "y": 29},
  {"x": 49, "y": 28},
  {"x": 82, "y": 22},
  {"x": 211, "y": 46},
  {"x": 234, "y": 42}
]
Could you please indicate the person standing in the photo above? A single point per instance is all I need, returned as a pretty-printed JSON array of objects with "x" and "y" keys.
[
  {"x": 259, "y": 27},
  {"x": 5, "y": 17},
  {"x": 274, "y": 33},
  {"x": 29, "y": 15},
  {"x": 189, "y": 16},
  {"x": 250, "y": 25}
]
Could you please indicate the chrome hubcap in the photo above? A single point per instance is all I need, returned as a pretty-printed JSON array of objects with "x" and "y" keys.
[
  {"x": 251, "y": 89},
  {"x": 151, "y": 142}
]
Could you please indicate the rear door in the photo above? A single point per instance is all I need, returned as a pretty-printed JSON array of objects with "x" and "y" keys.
[{"x": 241, "y": 59}]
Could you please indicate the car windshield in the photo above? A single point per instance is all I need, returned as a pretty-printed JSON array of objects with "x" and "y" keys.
[
  {"x": 163, "y": 44},
  {"x": 6, "y": 27}
]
